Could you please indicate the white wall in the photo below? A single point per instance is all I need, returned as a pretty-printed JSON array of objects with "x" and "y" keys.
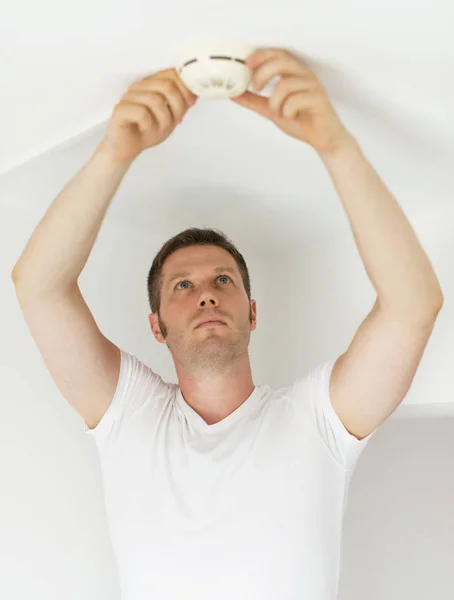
[
  {"x": 54, "y": 539},
  {"x": 399, "y": 524}
]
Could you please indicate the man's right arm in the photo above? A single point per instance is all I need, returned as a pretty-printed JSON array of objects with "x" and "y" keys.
[{"x": 83, "y": 363}]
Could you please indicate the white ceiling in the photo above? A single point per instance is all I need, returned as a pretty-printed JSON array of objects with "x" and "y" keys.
[{"x": 388, "y": 66}]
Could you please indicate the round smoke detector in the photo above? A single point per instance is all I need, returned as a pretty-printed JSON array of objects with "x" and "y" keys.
[{"x": 215, "y": 68}]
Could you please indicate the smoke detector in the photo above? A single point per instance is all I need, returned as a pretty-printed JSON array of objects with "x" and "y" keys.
[{"x": 215, "y": 68}]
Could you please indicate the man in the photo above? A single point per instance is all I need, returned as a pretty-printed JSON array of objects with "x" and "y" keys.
[{"x": 216, "y": 488}]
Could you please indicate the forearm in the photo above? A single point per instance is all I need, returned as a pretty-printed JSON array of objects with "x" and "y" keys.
[
  {"x": 59, "y": 247},
  {"x": 396, "y": 264}
]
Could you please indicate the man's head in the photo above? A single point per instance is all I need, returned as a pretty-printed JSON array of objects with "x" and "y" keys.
[{"x": 197, "y": 275}]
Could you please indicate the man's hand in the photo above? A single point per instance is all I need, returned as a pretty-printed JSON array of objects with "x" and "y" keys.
[
  {"x": 147, "y": 114},
  {"x": 299, "y": 105}
]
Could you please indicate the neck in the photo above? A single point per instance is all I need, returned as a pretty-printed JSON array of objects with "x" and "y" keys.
[{"x": 214, "y": 396}]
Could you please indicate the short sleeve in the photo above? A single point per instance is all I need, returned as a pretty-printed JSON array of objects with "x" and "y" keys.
[
  {"x": 317, "y": 407},
  {"x": 136, "y": 384}
]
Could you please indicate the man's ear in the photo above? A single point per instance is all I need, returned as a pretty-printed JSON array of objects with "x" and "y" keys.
[
  {"x": 254, "y": 314},
  {"x": 154, "y": 324}
]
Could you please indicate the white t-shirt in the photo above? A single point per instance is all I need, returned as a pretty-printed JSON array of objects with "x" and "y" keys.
[{"x": 249, "y": 508}]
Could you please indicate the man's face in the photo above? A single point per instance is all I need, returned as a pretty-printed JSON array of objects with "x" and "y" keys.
[{"x": 202, "y": 282}]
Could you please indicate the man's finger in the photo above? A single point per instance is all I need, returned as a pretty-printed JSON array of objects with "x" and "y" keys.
[
  {"x": 190, "y": 97},
  {"x": 279, "y": 68},
  {"x": 254, "y": 102}
]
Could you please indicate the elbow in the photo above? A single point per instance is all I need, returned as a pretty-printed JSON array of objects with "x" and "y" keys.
[
  {"x": 16, "y": 274},
  {"x": 438, "y": 301}
]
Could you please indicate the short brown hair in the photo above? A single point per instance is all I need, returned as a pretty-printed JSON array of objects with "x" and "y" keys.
[{"x": 191, "y": 237}]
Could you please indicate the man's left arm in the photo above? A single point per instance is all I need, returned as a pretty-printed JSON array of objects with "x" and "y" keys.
[{"x": 373, "y": 376}]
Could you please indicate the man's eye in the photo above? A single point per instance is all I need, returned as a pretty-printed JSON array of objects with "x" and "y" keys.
[{"x": 185, "y": 281}]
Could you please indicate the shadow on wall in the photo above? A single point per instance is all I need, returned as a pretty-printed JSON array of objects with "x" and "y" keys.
[
  {"x": 353, "y": 94},
  {"x": 399, "y": 524}
]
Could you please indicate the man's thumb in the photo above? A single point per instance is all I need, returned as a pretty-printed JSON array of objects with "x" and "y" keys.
[{"x": 254, "y": 102}]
